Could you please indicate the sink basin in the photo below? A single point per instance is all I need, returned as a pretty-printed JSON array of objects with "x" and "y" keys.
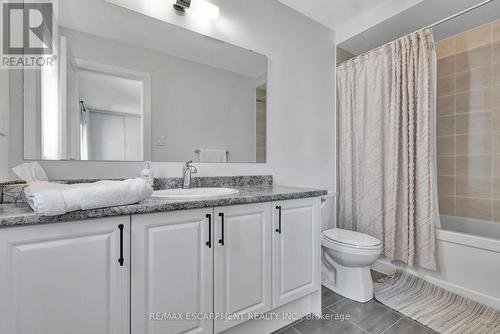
[{"x": 194, "y": 193}]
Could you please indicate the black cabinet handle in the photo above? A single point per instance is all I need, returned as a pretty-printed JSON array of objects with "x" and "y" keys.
[
  {"x": 209, "y": 242},
  {"x": 121, "y": 260},
  {"x": 221, "y": 240},
  {"x": 278, "y": 230}
]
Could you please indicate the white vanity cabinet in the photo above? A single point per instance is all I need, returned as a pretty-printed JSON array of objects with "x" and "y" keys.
[
  {"x": 172, "y": 272},
  {"x": 232, "y": 262},
  {"x": 296, "y": 249},
  {"x": 242, "y": 262},
  {"x": 65, "y": 278}
]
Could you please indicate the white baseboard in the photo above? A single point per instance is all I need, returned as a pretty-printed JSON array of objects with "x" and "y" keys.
[{"x": 386, "y": 267}]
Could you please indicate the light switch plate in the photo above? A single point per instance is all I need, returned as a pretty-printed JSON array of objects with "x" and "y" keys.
[{"x": 161, "y": 141}]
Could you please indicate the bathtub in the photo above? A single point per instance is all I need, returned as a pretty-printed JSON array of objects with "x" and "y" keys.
[{"x": 468, "y": 256}]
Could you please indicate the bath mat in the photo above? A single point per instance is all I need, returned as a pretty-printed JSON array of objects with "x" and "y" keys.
[{"x": 435, "y": 307}]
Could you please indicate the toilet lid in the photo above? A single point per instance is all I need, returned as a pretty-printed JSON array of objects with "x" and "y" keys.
[{"x": 352, "y": 238}]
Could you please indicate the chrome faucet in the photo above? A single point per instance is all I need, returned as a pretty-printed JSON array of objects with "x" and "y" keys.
[{"x": 187, "y": 171}]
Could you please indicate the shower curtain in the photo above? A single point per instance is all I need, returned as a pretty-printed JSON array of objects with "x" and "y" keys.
[{"x": 386, "y": 111}]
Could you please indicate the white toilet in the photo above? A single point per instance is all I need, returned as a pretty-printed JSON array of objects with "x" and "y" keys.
[{"x": 346, "y": 257}]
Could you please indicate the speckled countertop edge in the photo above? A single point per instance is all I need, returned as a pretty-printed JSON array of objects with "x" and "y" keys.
[
  {"x": 12, "y": 215},
  {"x": 11, "y": 192}
]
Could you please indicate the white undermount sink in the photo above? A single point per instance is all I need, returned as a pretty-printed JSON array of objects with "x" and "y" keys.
[{"x": 194, "y": 193}]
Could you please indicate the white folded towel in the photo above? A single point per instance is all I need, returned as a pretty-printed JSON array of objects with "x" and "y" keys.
[
  {"x": 51, "y": 199},
  {"x": 212, "y": 155},
  {"x": 30, "y": 172}
]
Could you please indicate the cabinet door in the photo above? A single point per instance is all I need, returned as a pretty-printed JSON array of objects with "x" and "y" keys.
[
  {"x": 65, "y": 278},
  {"x": 172, "y": 272},
  {"x": 242, "y": 262},
  {"x": 296, "y": 249}
]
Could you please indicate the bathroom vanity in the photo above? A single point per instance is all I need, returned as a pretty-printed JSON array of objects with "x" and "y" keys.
[{"x": 203, "y": 266}]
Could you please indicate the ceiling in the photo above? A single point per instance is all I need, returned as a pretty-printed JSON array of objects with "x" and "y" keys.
[
  {"x": 349, "y": 17},
  {"x": 421, "y": 15}
]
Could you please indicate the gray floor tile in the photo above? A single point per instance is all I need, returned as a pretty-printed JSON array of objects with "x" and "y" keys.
[
  {"x": 328, "y": 297},
  {"x": 289, "y": 330},
  {"x": 407, "y": 326},
  {"x": 369, "y": 316},
  {"x": 374, "y": 300},
  {"x": 327, "y": 325},
  {"x": 404, "y": 317}
]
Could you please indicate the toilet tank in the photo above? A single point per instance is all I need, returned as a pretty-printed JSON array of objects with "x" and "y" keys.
[{"x": 328, "y": 211}]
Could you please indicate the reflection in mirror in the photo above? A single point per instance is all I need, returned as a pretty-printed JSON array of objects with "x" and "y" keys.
[
  {"x": 260, "y": 124},
  {"x": 110, "y": 124},
  {"x": 157, "y": 92}
]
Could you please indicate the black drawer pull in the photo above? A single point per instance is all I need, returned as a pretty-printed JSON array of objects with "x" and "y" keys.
[
  {"x": 121, "y": 260},
  {"x": 221, "y": 240},
  {"x": 278, "y": 230},
  {"x": 209, "y": 242}
]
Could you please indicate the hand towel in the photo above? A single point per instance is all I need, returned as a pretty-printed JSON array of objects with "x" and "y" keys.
[
  {"x": 213, "y": 155},
  {"x": 51, "y": 199},
  {"x": 30, "y": 172}
]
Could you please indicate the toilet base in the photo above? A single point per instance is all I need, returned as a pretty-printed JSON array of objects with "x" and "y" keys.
[{"x": 353, "y": 283}]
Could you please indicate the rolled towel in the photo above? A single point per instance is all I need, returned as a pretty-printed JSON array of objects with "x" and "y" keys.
[{"x": 51, "y": 199}]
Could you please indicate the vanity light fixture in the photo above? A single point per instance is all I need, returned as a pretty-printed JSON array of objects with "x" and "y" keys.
[
  {"x": 199, "y": 8},
  {"x": 182, "y": 6}
]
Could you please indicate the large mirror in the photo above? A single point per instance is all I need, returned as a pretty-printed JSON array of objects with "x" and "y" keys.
[{"x": 129, "y": 87}]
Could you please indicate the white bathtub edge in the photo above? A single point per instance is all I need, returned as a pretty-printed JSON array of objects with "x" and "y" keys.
[
  {"x": 386, "y": 267},
  {"x": 468, "y": 240}
]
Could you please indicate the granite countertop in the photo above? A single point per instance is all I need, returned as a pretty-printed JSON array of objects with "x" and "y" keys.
[{"x": 15, "y": 215}]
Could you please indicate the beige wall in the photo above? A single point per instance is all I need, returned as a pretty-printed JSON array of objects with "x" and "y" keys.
[{"x": 468, "y": 123}]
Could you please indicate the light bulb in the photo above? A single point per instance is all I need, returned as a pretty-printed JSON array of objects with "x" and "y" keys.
[{"x": 205, "y": 9}]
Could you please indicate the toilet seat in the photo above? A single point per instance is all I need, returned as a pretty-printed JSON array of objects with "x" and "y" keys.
[{"x": 351, "y": 239}]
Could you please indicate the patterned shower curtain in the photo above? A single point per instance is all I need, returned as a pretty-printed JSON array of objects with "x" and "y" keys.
[{"x": 387, "y": 164}]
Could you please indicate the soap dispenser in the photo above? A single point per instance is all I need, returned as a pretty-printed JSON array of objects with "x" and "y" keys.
[{"x": 147, "y": 174}]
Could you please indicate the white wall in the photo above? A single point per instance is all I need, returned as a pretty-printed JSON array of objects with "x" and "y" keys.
[
  {"x": 4, "y": 125},
  {"x": 301, "y": 97}
]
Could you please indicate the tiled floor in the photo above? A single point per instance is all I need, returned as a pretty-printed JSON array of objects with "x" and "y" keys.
[{"x": 343, "y": 316}]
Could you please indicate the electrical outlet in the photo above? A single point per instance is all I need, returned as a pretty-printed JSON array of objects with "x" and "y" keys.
[{"x": 161, "y": 141}]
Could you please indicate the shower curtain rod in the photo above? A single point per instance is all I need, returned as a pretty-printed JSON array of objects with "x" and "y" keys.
[
  {"x": 465, "y": 11},
  {"x": 446, "y": 19}
]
